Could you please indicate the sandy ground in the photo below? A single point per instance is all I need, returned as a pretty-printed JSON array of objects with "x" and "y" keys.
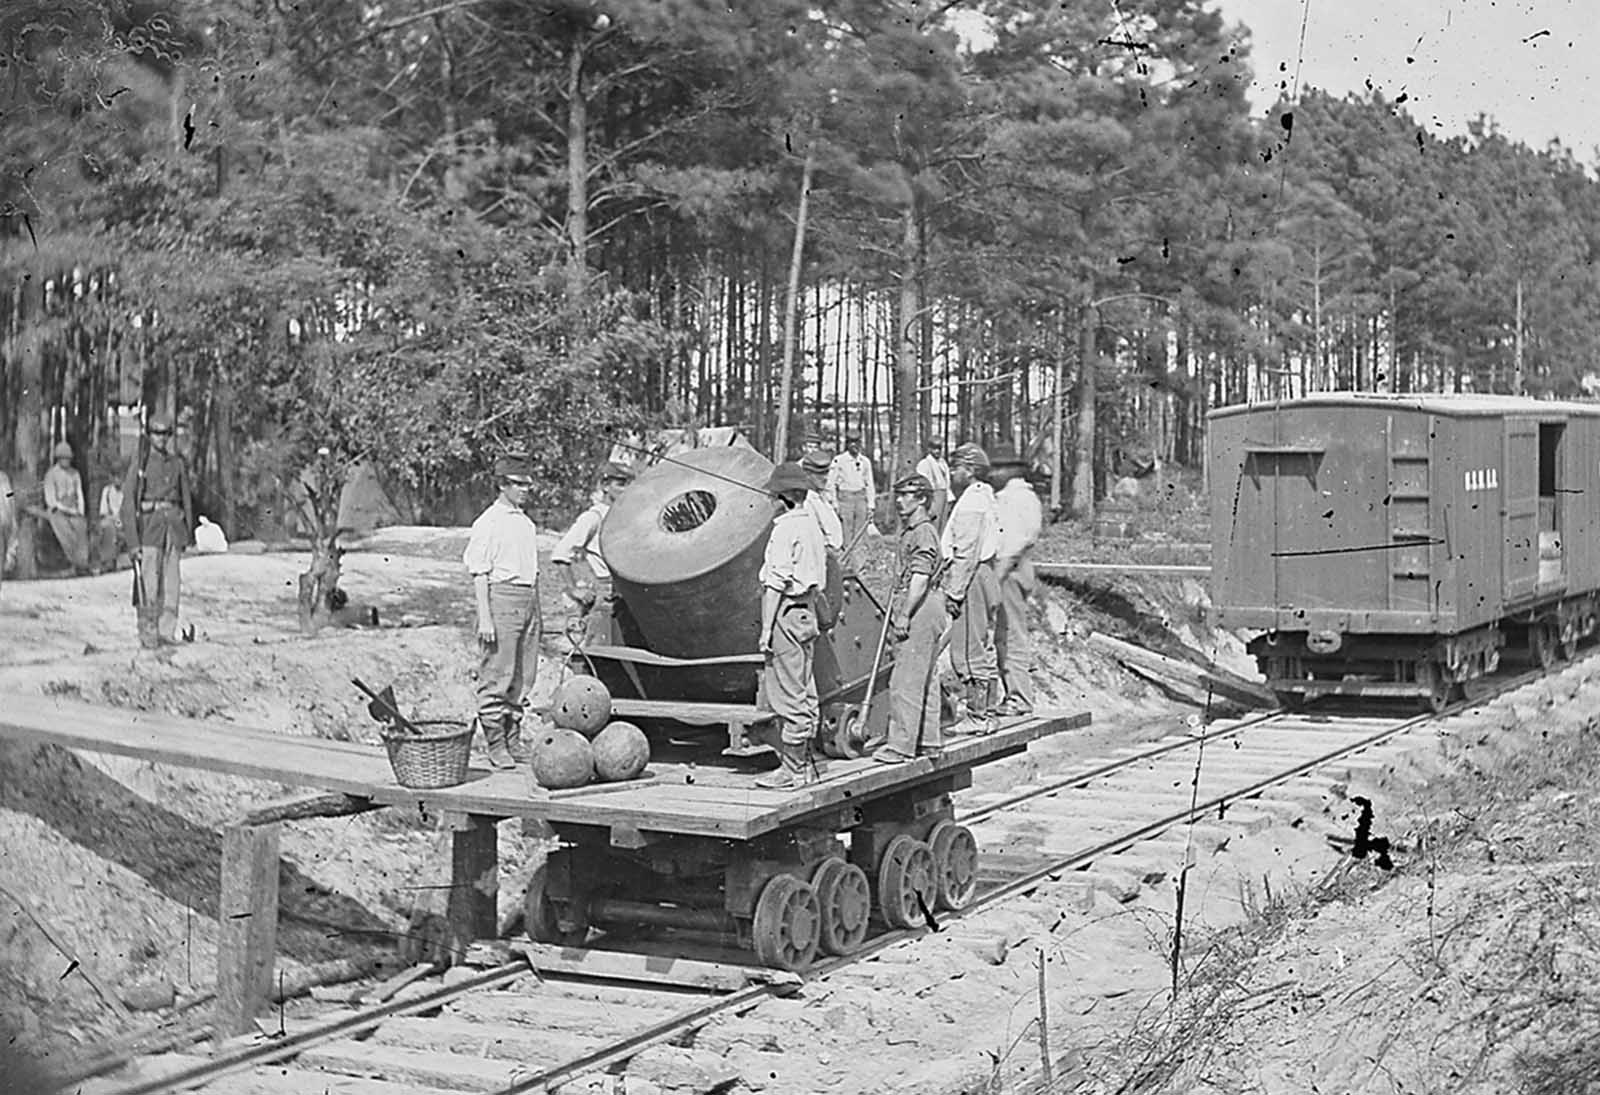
[{"x": 117, "y": 860}]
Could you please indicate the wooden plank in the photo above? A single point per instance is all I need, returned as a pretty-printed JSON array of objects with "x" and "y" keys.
[
  {"x": 248, "y": 928},
  {"x": 1187, "y": 673},
  {"x": 474, "y": 883},
  {"x": 649, "y": 969},
  {"x": 639, "y": 656},
  {"x": 314, "y": 804},
  {"x": 554, "y": 1015},
  {"x": 282, "y": 1080},
  {"x": 451, "y": 1071},
  {"x": 504, "y": 1041},
  {"x": 695, "y": 714}
]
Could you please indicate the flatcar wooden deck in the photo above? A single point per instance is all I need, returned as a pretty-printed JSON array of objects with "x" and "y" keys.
[{"x": 680, "y": 798}]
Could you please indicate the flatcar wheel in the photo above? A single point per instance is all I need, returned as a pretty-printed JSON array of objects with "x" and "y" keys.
[
  {"x": 844, "y": 898},
  {"x": 905, "y": 882},
  {"x": 955, "y": 865},
  {"x": 787, "y": 923},
  {"x": 1542, "y": 642},
  {"x": 543, "y": 917},
  {"x": 849, "y": 734}
]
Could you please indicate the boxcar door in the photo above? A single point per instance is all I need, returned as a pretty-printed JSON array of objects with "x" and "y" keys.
[{"x": 1520, "y": 517}]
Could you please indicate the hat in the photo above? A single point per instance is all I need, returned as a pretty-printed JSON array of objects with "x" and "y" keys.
[
  {"x": 852, "y": 439},
  {"x": 613, "y": 470},
  {"x": 62, "y": 449},
  {"x": 513, "y": 466},
  {"x": 969, "y": 455},
  {"x": 159, "y": 423},
  {"x": 915, "y": 484},
  {"x": 786, "y": 477}
]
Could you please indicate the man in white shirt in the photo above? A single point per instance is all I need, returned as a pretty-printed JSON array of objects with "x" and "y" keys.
[
  {"x": 933, "y": 468},
  {"x": 972, "y": 596},
  {"x": 503, "y": 558},
  {"x": 815, "y": 464},
  {"x": 1021, "y": 522},
  {"x": 792, "y": 571},
  {"x": 851, "y": 487},
  {"x": 108, "y": 536},
  {"x": 581, "y": 543},
  {"x": 63, "y": 502}
]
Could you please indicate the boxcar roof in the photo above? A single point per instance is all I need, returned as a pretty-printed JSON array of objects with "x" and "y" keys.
[{"x": 1459, "y": 406}]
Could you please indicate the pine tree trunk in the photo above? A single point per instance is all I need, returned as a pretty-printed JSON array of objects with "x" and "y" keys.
[
  {"x": 906, "y": 371},
  {"x": 1083, "y": 471},
  {"x": 577, "y": 179},
  {"x": 791, "y": 305}
]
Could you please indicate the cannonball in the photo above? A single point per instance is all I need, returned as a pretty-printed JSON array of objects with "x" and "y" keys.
[
  {"x": 581, "y": 703},
  {"x": 562, "y": 758},
  {"x": 620, "y": 752}
]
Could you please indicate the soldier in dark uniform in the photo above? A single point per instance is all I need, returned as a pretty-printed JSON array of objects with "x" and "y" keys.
[{"x": 158, "y": 516}]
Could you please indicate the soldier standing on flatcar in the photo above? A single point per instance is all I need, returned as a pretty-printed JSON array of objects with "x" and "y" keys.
[
  {"x": 583, "y": 540},
  {"x": 1021, "y": 522},
  {"x": 158, "y": 517},
  {"x": 502, "y": 556},
  {"x": 972, "y": 596},
  {"x": 917, "y": 621},
  {"x": 815, "y": 464},
  {"x": 792, "y": 572}
]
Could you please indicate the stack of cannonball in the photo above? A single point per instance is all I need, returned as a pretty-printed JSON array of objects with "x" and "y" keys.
[{"x": 585, "y": 744}]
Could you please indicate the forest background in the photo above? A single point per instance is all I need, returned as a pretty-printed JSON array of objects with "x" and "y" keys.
[{"x": 420, "y": 232}]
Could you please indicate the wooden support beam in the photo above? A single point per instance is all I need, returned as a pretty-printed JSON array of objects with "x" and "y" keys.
[
  {"x": 313, "y": 804},
  {"x": 1175, "y": 570},
  {"x": 474, "y": 881},
  {"x": 248, "y": 935},
  {"x": 1210, "y": 678}
]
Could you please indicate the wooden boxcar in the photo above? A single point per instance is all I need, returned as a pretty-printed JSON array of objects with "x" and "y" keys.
[{"x": 1394, "y": 545}]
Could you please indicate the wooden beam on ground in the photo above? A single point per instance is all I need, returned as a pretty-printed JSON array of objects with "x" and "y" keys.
[
  {"x": 314, "y": 804},
  {"x": 648, "y": 968},
  {"x": 248, "y": 936},
  {"x": 1209, "y": 678},
  {"x": 1174, "y": 570},
  {"x": 470, "y": 912}
]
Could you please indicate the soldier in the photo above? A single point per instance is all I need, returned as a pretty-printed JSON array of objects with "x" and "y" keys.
[
  {"x": 503, "y": 558},
  {"x": 852, "y": 490},
  {"x": 63, "y": 502},
  {"x": 1021, "y": 521},
  {"x": 918, "y": 622},
  {"x": 933, "y": 468},
  {"x": 583, "y": 540},
  {"x": 816, "y": 464},
  {"x": 108, "y": 532},
  {"x": 158, "y": 519},
  {"x": 972, "y": 596},
  {"x": 792, "y": 572}
]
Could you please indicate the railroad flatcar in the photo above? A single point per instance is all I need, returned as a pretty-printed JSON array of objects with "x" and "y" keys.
[{"x": 1397, "y": 545}]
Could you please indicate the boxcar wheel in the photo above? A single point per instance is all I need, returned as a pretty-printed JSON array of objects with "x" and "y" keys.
[
  {"x": 955, "y": 865},
  {"x": 1542, "y": 642},
  {"x": 844, "y": 900},
  {"x": 1441, "y": 689},
  {"x": 905, "y": 882},
  {"x": 785, "y": 930},
  {"x": 543, "y": 917}
]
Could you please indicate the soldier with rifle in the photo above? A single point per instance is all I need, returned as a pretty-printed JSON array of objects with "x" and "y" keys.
[{"x": 158, "y": 515}]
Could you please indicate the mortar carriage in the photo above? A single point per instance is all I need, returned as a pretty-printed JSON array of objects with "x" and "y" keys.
[{"x": 693, "y": 847}]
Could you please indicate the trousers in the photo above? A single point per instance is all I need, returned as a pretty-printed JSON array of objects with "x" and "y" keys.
[
  {"x": 507, "y": 666},
  {"x": 972, "y": 653},
  {"x": 1012, "y": 641},
  {"x": 160, "y": 584},
  {"x": 854, "y": 517},
  {"x": 787, "y": 680},
  {"x": 913, "y": 699}
]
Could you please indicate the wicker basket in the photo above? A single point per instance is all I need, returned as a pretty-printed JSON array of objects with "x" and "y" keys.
[{"x": 437, "y": 760}]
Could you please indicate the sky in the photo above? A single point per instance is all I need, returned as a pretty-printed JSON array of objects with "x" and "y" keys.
[{"x": 1531, "y": 65}]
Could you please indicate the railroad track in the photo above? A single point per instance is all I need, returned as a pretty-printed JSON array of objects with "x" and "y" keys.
[{"x": 512, "y": 1031}]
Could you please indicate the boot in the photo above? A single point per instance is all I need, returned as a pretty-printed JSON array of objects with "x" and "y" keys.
[
  {"x": 797, "y": 766},
  {"x": 514, "y": 746},
  {"x": 494, "y": 738},
  {"x": 976, "y": 720}
]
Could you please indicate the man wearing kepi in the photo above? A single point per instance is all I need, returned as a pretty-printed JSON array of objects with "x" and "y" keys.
[
  {"x": 158, "y": 517},
  {"x": 917, "y": 620},
  {"x": 582, "y": 544},
  {"x": 1021, "y": 521},
  {"x": 850, "y": 484},
  {"x": 791, "y": 573},
  {"x": 972, "y": 596},
  {"x": 816, "y": 463},
  {"x": 503, "y": 558}
]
